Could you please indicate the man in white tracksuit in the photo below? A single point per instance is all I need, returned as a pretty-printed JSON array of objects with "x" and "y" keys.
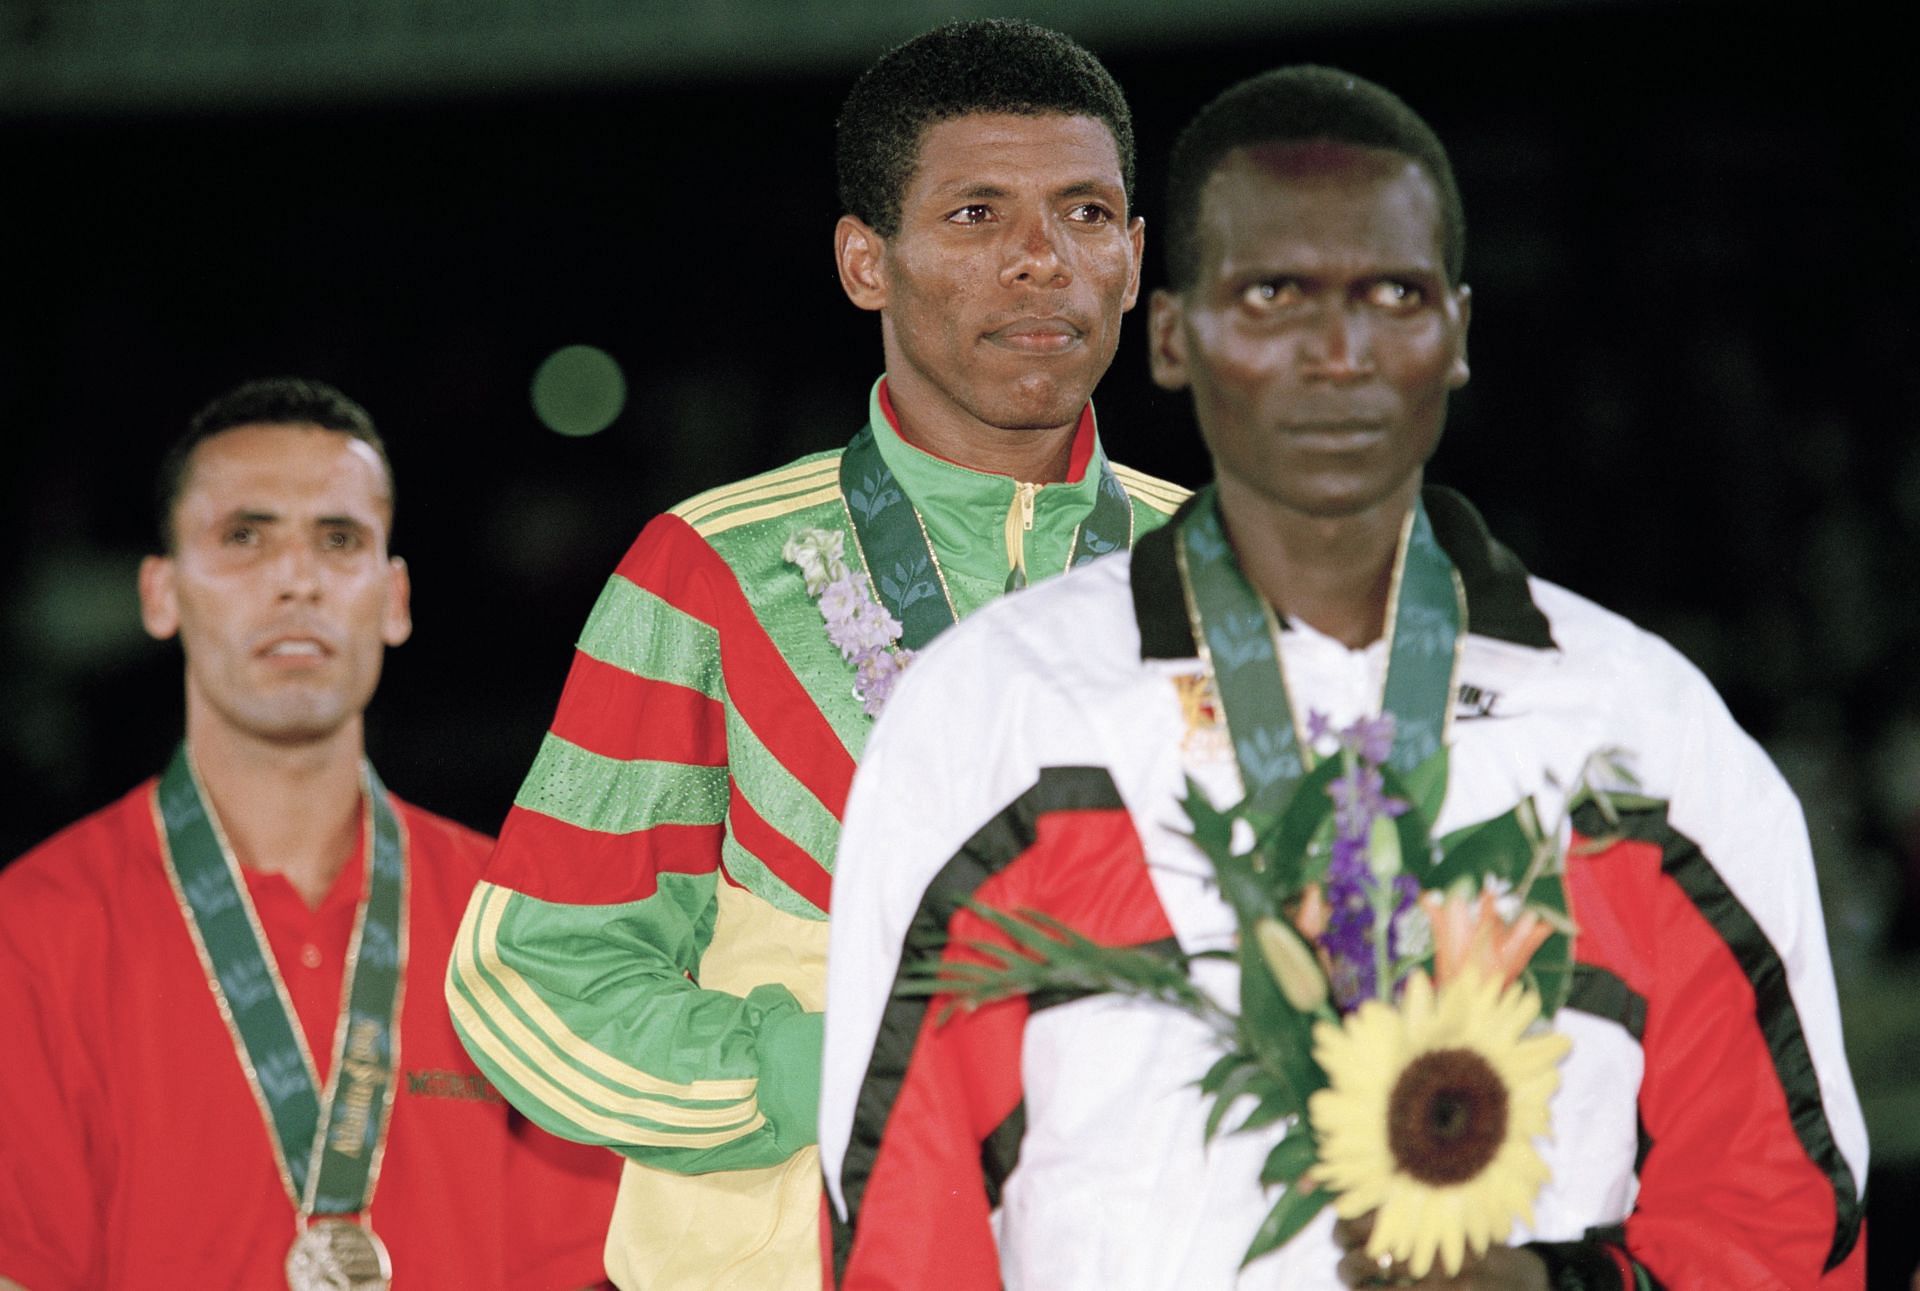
[{"x": 1705, "y": 1131}]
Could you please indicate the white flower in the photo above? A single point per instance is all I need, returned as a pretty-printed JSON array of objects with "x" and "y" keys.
[
  {"x": 1506, "y": 902},
  {"x": 1413, "y": 933},
  {"x": 821, "y": 555}
]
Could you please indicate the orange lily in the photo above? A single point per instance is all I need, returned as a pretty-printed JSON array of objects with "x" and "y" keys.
[
  {"x": 1312, "y": 914},
  {"x": 1468, "y": 933}
]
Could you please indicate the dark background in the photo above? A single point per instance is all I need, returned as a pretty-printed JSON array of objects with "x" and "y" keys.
[{"x": 1691, "y": 243}]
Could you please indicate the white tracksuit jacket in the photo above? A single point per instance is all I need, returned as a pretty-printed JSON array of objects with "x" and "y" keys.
[{"x": 1706, "y": 1131}]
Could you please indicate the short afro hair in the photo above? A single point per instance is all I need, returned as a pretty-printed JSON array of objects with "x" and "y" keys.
[
  {"x": 991, "y": 65},
  {"x": 273, "y": 401},
  {"x": 1301, "y": 104}
]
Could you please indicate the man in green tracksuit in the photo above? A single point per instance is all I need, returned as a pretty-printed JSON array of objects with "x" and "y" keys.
[{"x": 645, "y": 964}]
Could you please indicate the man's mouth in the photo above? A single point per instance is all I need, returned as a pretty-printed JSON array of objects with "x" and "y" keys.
[
  {"x": 294, "y": 648},
  {"x": 1037, "y": 335},
  {"x": 1336, "y": 430}
]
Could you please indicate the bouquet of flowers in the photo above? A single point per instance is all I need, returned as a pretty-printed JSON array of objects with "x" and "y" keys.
[
  {"x": 866, "y": 635},
  {"x": 1393, "y": 987}
]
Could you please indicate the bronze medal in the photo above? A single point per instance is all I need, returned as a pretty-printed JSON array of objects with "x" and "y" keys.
[{"x": 334, "y": 1254}]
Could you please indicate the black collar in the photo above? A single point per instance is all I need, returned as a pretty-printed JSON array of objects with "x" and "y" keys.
[{"x": 1498, "y": 602}]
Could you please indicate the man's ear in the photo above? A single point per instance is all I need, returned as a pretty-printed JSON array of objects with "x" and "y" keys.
[
  {"x": 159, "y": 602},
  {"x": 860, "y": 255},
  {"x": 1167, "y": 340},
  {"x": 1137, "y": 235},
  {"x": 1457, "y": 375},
  {"x": 396, "y": 616}
]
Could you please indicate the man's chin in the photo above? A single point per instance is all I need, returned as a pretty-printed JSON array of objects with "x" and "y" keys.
[
  {"x": 295, "y": 726},
  {"x": 1038, "y": 406}
]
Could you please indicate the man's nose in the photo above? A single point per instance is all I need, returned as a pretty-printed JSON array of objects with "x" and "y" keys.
[
  {"x": 1340, "y": 345},
  {"x": 1034, "y": 254},
  {"x": 298, "y": 570}
]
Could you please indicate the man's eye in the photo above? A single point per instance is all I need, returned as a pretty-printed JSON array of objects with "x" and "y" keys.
[
  {"x": 1395, "y": 295},
  {"x": 1090, "y": 213},
  {"x": 340, "y": 540},
  {"x": 1271, "y": 294},
  {"x": 977, "y": 213},
  {"x": 242, "y": 535}
]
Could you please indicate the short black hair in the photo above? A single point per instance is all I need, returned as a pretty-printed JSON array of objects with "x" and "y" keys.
[
  {"x": 272, "y": 401},
  {"x": 989, "y": 65},
  {"x": 1301, "y": 104}
]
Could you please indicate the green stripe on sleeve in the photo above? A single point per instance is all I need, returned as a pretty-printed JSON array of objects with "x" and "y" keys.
[
  {"x": 584, "y": 1017},
  {"x": 781, "y": 800},
  {"x": 616, "y": 796},
  {"x": 751, "y": 873},
  {"x": 635, "y": 630}
]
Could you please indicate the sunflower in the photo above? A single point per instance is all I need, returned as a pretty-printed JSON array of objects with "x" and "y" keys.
[{"x": 1430, "y": 1114}]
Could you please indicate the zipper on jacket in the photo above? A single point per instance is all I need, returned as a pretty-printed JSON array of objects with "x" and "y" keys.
[{"x": 1019, "y": 525}]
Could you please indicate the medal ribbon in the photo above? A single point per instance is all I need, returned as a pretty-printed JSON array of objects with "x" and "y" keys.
[
  {"x": 1238, "y": 635},
  {"x": 330, "y": 1170},
  {"x": 901, "y": 564}
]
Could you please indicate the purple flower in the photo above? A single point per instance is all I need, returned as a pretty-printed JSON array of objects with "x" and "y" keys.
[
  {"x": 877, "y": 628},
  {"x": 1370, "y": 739},
  {"x": 858, "y": 626},
  {"x": 1359, "y": 799},
  {"x": 1349, "y": 990},
  {"x": 1406, "y": 891},
  {"x": 866, "y": 628},
  {"x": 841, "y": 599},
  {"x": 876, "y": 675},
  {"x": 1348, "y": 937},
  {"x": 1318, "y": 724}
]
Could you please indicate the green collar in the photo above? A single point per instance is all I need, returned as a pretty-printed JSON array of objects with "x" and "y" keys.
[{"x": 966, "y": 511}]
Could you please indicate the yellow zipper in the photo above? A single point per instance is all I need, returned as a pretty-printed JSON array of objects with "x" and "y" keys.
[{"x": 1019, "y": 524}]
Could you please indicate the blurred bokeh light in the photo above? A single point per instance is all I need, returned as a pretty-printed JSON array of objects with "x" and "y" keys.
[{"x": 579, "y": 390}]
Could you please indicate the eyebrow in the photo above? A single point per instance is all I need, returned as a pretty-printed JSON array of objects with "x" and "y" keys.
[
  {"x": 988, "y": 189},
  {"x": 1088, "y": 188},
  {"x": 976, "y": 188},
  {"x": 242, "y": 515}
]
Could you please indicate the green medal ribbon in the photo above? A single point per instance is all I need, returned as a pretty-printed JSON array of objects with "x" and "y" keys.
[
  {"x": 1239, "y": 635},
  {"x": 329, "y": 1143},
  {"x": 901, "y": 564}
]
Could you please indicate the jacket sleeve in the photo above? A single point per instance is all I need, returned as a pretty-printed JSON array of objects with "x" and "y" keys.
[
  {"x": 575, "y": 979},
  {"x": 922, "y": 1103},
  {"x": 1752, "y": 1144}
]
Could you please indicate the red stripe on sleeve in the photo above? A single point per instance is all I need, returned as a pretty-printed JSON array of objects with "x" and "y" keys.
[
  {"x": 609, "y": 711},
  {"x": 552, "y": 860},
  {"x": 1088, "y": 870},
  {"x": 1728, "y": 1195},
  {"x": 923, "y": 1220},
  {"x": 1624, "y": 1265},
  {"x": 786, "y": 859},
  {"x": 681, "y": 568}
]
